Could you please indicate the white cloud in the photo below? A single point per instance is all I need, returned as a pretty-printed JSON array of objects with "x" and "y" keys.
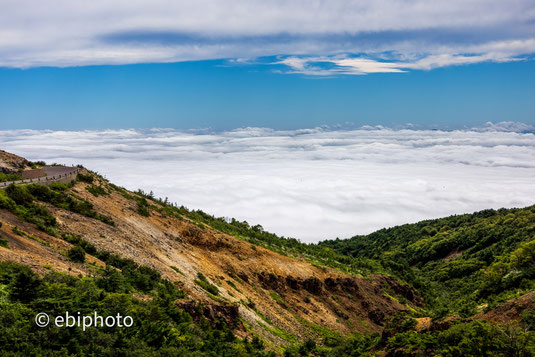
[
  {"x": 342, "y": 64},
  {"x": 314, "y": 183},
  {"x": 72, "y": 33}
]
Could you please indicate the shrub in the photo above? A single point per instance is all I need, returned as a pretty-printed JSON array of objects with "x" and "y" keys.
[
  {"x": 59, "y": 186},
  {"x": 76, "y": 254},
  {"x": 41, "y": 192},
  {"x": 96, "y": 190},
  {"x": 528, "y": 319},
  {"x": 37, "y": 163},
  {"x": 9, "y": 177},
  {"x": 19, "y": 194},
  {"x": 84, "y": 178},
  {"x": 19, "y": 200},
  {"x": 6, "y": 201},
  {"x": 142, "y": 206}
]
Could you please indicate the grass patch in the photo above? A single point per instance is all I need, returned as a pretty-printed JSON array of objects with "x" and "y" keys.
[
  {"x": 213, "y": 297},
  {"x": 121, "y": 190},
  {"x": 278, "y": 332},
  {"x": 97, "y": 190},
  {"x": 206, "y": 285},
  {"x": 231, "y": 283},
  {"x": 278, "y": 299},
  {"x": 320, "y": 330},
  {"x": 21, "y": 233},
  {"x": 177, "y": 270}
]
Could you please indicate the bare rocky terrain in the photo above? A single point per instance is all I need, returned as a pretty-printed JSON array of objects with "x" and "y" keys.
[{"x": 11, "y": 163}]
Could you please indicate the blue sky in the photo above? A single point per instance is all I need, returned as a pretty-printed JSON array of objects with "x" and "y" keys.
[
  {"x": 217, "y": 95},
  {"x": 279, "y": 64}
]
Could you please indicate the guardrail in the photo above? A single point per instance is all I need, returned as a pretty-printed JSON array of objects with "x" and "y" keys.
[{"x": 44, "y": 179}]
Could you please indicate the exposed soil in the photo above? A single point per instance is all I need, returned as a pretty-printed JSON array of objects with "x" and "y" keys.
[
  {"x": 259, "y": 290},
  {"x": 509, "y": 311}
]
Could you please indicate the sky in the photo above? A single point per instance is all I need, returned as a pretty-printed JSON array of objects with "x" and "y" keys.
[
  {"x": 279, "y": 64},
  {"x": 207, "y": 94},
  {"x": 317, "y": 119}
]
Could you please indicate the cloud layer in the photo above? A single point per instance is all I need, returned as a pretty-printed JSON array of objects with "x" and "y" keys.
[
  {"x": 405, "y": 34},
  {"x": 311, "y": 184}
]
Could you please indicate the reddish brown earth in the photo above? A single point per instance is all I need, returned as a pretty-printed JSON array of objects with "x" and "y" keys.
[
  {"x": 278, "y": 297},
  {"x": 509, "y": 311}
]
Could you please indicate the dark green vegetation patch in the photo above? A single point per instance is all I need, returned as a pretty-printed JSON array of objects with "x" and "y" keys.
[
  {"x": 458, "y": 262},
  {"x": 24, "y": 202},
  {"x": 160, "y": 327},
  {"x": 9, "y": 177}
]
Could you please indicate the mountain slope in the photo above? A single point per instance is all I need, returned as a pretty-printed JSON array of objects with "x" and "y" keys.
[
  {"x": 11, "y": 163},
  {"x": 458, "y": 262},
  {"x": 280, "y": 298},
  {"x": 194, "y": 282}
]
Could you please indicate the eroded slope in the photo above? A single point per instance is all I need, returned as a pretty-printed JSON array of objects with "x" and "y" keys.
[{"x": 281, "y": 298}]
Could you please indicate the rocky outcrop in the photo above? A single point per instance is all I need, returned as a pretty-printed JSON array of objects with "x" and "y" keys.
[
  {"x": 196, "y": 236},
  {"x": 274, "y": 282},
  {"x": 11, "y": 163},
  {"x": 401, "y": 289},
  {"x": 347, "y": 285},
  {"x": 214, "y": 313}
]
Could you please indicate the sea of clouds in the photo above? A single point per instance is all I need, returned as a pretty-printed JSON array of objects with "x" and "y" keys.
[{"x": 311, "y": 184}]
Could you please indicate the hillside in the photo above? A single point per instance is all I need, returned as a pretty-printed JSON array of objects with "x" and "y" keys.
[
  {"x": 199, "y": 284},
  {"x": 12, "y": 166},
  {"x": 259, "y": 292},
  {"x": 458, "y": 262},
  {"x": 11, "y": 163}
]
